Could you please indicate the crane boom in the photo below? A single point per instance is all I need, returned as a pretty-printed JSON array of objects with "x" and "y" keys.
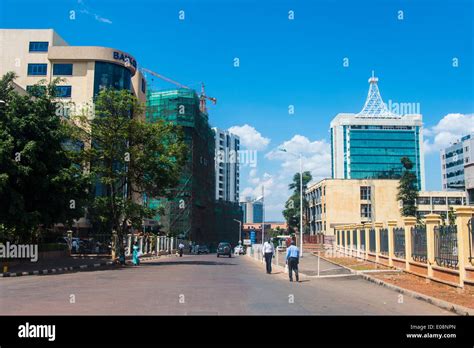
[{"x": 202, "y": 97}]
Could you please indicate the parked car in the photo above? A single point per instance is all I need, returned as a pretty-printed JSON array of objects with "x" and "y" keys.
[
  {"x": 202, "y": 249},
  {"x": 224, "y": 248},
  {"x": 239, "y": 250}
]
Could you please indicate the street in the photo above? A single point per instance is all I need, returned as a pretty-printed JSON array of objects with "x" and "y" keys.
[{"x": 201, "y": 285}]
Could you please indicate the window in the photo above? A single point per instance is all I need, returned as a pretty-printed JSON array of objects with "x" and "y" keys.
[
  {"x": 455, "y": 200},
  {"x": 424, "y": 200},
  {"x": 143, "y": 85},
  {"x": 62, "y": 69},
  {"x": 36, "y": 91},
  {"x": 365, "y": 211},
  {"x": 37, "y": 69},
  {"x": 63, "y": 91},
  {"x": 365, "y": 193},
  {"x": 439, "y": 200},
  {"x": 110, "y": 75},
  {"x": 39, "y": 46}
]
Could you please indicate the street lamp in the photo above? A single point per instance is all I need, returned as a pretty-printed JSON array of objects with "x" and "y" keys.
[
  {"x": 301, "y": 196},
  {"x": 240, "y": 230}
]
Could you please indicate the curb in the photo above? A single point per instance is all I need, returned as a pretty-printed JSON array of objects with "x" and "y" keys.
[
  {"x": 61, "y": 270},
  {"x": 457, "y": 309},
  {"x": 57, "y": 270}
]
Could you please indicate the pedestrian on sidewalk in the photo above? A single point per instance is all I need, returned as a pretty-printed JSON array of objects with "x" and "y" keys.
[
  {"x": 268, "y": 250},
  {"x": 135, "y": 256},
  {"x": 292, "y": 259}
]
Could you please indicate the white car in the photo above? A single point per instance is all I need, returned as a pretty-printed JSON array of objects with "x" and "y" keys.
[{"x": 239, "y": 250}]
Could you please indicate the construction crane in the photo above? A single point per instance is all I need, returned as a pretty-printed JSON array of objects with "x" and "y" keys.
[{"x": 202, "y": 96}]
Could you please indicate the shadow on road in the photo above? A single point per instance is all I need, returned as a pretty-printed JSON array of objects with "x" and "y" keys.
[{"x": 204, "y": 263}]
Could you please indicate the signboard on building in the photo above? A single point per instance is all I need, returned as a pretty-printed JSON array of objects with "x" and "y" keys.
[
  {"x": 253, "y": 237},
  {"x": 247, "y": 242}
]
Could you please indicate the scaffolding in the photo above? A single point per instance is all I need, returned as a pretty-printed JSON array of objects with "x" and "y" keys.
[{"x": 190, "y": 211}]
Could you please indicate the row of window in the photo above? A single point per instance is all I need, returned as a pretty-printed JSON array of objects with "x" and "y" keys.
[
  {"x": 440, "y": 200},
  {"x": 35, "y": 69},
  {"x": 61, "y": 91}
]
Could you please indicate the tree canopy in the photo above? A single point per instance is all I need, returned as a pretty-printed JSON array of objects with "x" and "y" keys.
[
  {"x": 292, "y": 205},
  {"x": 40, "y": 182},
  {"x": 408, "y": 189},
  {"x": 130, "y": 160}
]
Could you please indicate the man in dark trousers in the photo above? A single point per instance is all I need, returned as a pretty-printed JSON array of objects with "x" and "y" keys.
[
  {"x": 292, "y": 259},
  {"x": 268, "y": 250}
]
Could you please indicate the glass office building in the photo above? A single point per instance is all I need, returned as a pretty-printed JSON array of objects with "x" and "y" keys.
[
  {"x": 370, "y": 144},
  {"x": 453, "y": 160}
]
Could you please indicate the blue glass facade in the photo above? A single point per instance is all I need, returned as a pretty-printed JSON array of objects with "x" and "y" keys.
[
  {"x": 257, "y": 212},
  {"x": 110, "y": 75},
  {"x": 376, "y": 152}
]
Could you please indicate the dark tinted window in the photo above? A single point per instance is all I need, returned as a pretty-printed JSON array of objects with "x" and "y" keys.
[
  {"x": 62, "y": 69},
  {"x": 37, "y": 69},
  {"x": 39, "y": 46}
]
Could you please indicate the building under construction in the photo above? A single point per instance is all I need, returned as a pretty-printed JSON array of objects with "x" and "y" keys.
[{"x": 191, "y": 211}]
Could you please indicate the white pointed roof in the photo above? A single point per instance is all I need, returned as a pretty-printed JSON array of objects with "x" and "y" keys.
[{"x": 374, "y": 106}]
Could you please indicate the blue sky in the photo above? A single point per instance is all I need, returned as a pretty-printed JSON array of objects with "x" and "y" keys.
[{"x": 286, "y": 62}]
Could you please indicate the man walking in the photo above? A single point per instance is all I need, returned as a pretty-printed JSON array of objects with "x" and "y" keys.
[
  {"x": 292, "y": 259},
  {"x": 268, "y": 251}
]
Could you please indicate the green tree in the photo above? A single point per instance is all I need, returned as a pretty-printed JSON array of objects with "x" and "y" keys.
[
  {"x": 407, "y": 189},
  {"x": 40, "y": 182},
  {"x": 129, "y": 159},
  {"x": 292, "y": 205}
]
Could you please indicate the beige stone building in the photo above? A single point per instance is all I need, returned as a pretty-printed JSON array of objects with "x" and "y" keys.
[
  {"x": 334, "y": 202},
  {"x": 41, "y": 54}
]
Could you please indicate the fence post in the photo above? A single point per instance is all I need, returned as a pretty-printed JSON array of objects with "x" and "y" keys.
[
  {"x": 349, "y": 232},
  {"x": 391, "y": 224},
  {"x": 114, "y": 245},
  {"x": 357, "y": 240},
  {"x": 463, "y": 215},
  {"x": 431, "y": 221},
  {"x": 377, "y": 226},
  {"x": 361, "y": 227},
  {"x": 408, "y": 223},
  {"x": 156, "y": 245},
  {"x": 367, "y": 227},
  {"x": 129, "y": 243},
  {"x": 348, "y": 241}
]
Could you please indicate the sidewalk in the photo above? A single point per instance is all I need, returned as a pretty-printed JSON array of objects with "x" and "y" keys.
[
  {"x": 62, "y": 265},
  {"x": 309, "y": 265}
]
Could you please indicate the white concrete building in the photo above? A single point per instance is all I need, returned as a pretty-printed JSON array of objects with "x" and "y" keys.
[
  {"x": 227, "y": 165},
  {"x": 370, "y": 144},
  {"x": 453, "y": 160}
]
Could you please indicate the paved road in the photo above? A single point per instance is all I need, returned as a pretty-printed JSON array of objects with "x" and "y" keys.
[{"x": 200, "y": 285}]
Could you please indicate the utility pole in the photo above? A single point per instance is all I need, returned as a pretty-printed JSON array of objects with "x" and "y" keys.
[
  {"x": 263, "y": 214},
  {"x": 301, "y": 205}
]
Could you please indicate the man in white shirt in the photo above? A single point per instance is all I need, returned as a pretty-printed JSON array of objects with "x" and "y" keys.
[{"x": 268, "y": 250}]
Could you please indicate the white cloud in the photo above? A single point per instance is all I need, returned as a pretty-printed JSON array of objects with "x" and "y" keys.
[
  {"x": 250, "y": 138},
  {"x": 87, "y": 10},
  {"x": 449, "y": 129},
  {"x": 316, "y": 156}
]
